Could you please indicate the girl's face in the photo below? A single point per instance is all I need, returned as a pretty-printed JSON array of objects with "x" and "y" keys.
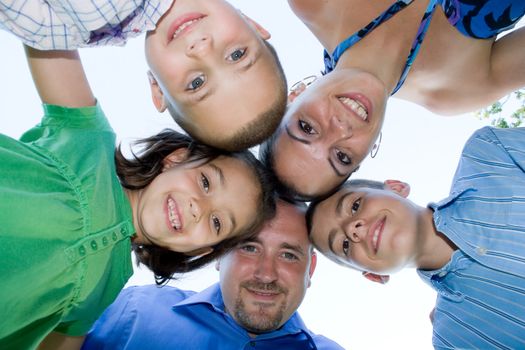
[{"x": 192, "y": 206}]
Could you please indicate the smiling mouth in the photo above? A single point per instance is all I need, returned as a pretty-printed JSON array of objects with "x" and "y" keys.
[
  {"x": 376, "y": 235},
  {"x": 184, "y": 24},
  {"x": 173, "y": 215},
  {"x": 355, "y": 106}
]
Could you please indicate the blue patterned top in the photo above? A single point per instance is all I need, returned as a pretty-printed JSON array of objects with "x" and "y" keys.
[
  {"x": 478, "y": 19},
  {"x": 481, "y": 291}
]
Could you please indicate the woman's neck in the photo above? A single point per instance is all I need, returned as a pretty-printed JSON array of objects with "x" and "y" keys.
[
  {"x": 381, "y": 61},
  {"x": 383, "y": 51}
]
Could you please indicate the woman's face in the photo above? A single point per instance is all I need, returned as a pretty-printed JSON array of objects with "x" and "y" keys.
[
  {"x": 192, "y": 206},
  {"x": 328, "y": 130}
]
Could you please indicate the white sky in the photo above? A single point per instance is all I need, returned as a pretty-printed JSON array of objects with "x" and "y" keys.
[{"x": 417, "y": 147}]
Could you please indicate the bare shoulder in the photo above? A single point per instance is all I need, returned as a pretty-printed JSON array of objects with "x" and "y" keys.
[{"x": 308, "y": 10}]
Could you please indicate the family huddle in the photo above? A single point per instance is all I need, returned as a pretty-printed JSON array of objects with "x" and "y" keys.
[{"x": 179, "y": 201}]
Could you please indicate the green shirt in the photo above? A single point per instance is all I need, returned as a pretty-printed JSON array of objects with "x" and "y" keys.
[{"x": 65, "y": 227}]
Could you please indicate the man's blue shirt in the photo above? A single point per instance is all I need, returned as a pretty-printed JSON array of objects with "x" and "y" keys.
[
  {"x": 151, "y": 317},
  {"x": 481, "y": 291}
]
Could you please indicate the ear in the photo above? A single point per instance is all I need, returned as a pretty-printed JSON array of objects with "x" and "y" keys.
[
  {"x": 313, "y": 264},
  {"x": 156, "y": 94},
  {"x": 299, "y": 89},
  {"x": 399, "y": 187},
  {"x": 200, "y": 252},
  {"x": 382, "y": 279},
  {"x": 259, "y": 28},
  {"x": 175, "y": 158}
]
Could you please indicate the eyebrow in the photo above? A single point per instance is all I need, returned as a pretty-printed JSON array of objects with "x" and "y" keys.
[
  {"x": 339, "y": 205},
  {"x": 222, "y": 181},
  {"x": 218, "y": 173},
  {"x": 306, "y": 142},
  {"x": 294, "y": 247},
  {"x": 331, "y": 239}
]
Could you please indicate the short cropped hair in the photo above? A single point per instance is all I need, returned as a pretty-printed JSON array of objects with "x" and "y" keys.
[{"x": 142, "y": 167}]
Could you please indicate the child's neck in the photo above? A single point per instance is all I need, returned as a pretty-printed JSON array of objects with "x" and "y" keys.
[
  {"x": 435, "y": 249},
  {"x": 133, "y": 198}
]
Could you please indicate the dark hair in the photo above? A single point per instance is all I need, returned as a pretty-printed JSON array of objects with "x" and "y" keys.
[
  {"x": 256, "y": 131},
  {"x": 287, "y": 189},
  {"x": 356, "y": 183},
  {"x": 141, "y": 168}
]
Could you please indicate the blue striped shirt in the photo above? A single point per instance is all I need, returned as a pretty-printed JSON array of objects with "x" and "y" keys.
[
  {"x": 481, "y": 291},
  {"x": 70, "y": 24}
]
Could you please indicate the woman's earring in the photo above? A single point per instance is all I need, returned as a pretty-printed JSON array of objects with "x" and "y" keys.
[{"x": 375, "y": 148}]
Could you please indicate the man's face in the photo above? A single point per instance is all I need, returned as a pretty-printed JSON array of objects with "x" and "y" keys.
[
  {"x": 212, "y": 66},
  {"x": 367, "y": 229},
  {"x": 263, "y": 281},
  {"x": 328, "y": 130}
]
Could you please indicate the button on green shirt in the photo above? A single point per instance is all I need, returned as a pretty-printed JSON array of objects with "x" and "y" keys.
[{"x": 65, "y": 227}]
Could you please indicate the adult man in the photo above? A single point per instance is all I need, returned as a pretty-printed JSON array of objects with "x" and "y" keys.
[{"x": 262, "y": 283}]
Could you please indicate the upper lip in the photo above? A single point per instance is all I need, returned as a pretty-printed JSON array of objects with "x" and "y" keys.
[
  {"x": 180, "y": 21},
  {"x": 361, "y": 100},
  {"x": 376, "y": 227},
  {"x": 174, "y": 217}
]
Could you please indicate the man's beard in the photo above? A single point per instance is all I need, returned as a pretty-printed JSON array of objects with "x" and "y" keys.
[{"x": 260, "y": 321}]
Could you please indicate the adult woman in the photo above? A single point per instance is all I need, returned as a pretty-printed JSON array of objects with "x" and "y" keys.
[
  {"x": 69, "y": 223},
  {"x": 331, "y": 127}
]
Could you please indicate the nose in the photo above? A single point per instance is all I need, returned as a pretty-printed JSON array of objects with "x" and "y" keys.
[
  {"x": 341, "y": 126},
  {"x": 266, "y": 270},
  {"x": 355, "y": 230},
  {"x": 199, "y": 46},
  {"x": 196, "y": 209}
]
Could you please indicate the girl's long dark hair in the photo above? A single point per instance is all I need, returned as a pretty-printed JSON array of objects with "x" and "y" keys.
[{"x": 143, "y": 166}]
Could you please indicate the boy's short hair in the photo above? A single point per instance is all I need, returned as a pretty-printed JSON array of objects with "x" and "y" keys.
[{"x": 260, "y": 128}]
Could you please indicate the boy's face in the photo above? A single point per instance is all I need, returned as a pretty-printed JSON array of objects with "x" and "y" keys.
[
  {"x": 212, "y": 66},
  {"x": 367, "y": 229}
]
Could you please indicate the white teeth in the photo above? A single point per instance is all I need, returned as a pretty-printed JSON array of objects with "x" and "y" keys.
[
  {"x": 355, "y": 106},
  {"x": 374, "y": 239},
  {"x": 174, "y": 218},
  {"x": 184, "y": 26}
]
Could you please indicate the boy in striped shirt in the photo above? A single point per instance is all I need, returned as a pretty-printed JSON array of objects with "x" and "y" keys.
[{"x": 469, "y": 247}]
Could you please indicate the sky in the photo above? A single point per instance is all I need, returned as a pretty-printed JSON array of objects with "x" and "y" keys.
[{"x": 417, "y": 147}]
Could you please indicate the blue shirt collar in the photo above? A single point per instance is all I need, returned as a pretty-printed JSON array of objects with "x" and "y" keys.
[{"x": 213, "y": 297}]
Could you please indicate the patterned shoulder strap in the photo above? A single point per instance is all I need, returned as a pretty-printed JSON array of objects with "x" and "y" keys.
[{"x": 331, "y": 61}]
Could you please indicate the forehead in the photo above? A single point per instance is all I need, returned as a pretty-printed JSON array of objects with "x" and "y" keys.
[
  {"x": 295, "y": 162},
  {"x": 287, "y": 227}
]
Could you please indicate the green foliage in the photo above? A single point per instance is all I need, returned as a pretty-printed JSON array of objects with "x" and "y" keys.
[{"x": 508, "y": 112}]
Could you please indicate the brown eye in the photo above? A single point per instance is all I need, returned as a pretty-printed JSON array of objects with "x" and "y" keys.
[
  {"x": 216, "y": 224},
  {"x": 343, "y": 158},
  {"x": 205, "y": 183},
  {"x": 306, "y": 127},
  {"x": 356, "y": 205},
  {"x": 346, "y": 246}
]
